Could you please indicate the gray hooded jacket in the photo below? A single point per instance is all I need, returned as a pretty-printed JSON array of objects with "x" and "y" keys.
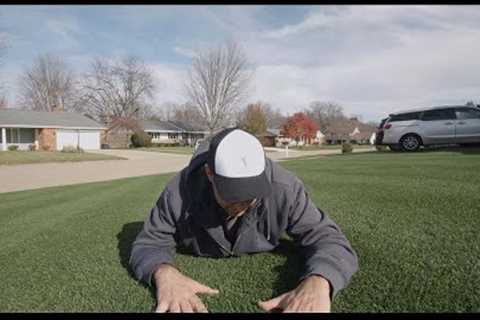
[{"x": 186, "y": 213}]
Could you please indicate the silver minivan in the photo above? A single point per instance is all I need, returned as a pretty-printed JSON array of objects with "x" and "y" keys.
[{"x": 408, "y": 130}]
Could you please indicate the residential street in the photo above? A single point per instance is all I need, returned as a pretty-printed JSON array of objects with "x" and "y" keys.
[{"x": 139, "y": 163}]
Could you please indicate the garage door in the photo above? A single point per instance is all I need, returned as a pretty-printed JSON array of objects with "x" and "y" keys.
[
  {"x": 66, "y": 138},
  {"x": 89, "y": 140},
  {"x": 86, "y": 139}
]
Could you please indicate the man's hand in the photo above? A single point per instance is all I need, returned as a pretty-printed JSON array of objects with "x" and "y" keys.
[
  {"x": 178, "y": 293},
  {"x": 311, "y": 295}
]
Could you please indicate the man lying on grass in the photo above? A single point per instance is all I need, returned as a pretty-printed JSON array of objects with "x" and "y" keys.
[{"x": 229, "y": 201}]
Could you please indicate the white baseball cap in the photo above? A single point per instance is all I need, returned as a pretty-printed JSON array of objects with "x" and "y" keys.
[{"x": 237, "y": 160}]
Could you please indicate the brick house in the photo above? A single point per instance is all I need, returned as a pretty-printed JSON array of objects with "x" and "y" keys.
[
  {"x": 48, "y": 131},
  {"x": 118, "y": 134}
]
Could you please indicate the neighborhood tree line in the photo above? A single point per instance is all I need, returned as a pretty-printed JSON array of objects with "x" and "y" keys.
[{"x": 216, "y": 92}]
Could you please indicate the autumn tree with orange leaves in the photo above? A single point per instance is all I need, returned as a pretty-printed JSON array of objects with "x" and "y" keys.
[{"x": 299, "y": 126}]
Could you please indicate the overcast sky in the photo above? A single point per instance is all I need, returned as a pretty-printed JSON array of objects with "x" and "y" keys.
[{"x": 371, "y": 59}]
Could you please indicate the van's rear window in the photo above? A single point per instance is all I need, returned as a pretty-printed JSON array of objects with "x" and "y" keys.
[{"x": 405, "y": 116}]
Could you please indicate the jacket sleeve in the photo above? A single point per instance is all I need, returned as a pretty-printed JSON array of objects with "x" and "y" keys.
[
  {"x": 326, "y": 250},
  {"x": 155, "y": 244}
]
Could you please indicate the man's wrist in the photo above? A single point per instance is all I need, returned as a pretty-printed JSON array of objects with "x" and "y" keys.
[
  {"x": 320, "y": 280},
  {"x": 164, "y": 267},
  {"x": 322, "y": 283}
]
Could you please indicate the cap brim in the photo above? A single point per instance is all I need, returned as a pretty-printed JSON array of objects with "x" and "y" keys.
[{"x": 242, "y": 189}]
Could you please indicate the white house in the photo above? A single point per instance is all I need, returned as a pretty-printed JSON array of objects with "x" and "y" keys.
[
  {"x": 48, "y": 131},
  {"x": 172, "y": 132}
]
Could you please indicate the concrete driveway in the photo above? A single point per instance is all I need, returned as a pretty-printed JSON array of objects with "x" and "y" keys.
[
  {"x": 138, "y": 163},
  {"x": 41, "y": 175}
]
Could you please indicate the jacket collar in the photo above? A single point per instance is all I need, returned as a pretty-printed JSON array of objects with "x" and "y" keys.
[{"x": 209, "y": 216}]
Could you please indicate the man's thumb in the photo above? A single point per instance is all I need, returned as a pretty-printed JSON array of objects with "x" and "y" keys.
[
  {"x": 271, "y": 304},
  {"x": 201, "y": 288}
]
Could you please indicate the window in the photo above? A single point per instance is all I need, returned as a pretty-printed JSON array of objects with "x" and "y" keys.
[
  {"x": 467, "y": 113},
  {"x": 172, "y": 136},
  {"x": 405, "y": 116},
  {"x": 438, "y": 114},
  {"x": 26, "y": 135},
  {"x": 12, "y": 136}
]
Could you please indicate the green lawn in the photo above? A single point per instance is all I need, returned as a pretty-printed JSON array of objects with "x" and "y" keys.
[
  {"x": 22, "y": 157},
  {"x": 412, "y": 218},
  {"x": 329, "y": 146},
  {"x": 176, "y": 150}
]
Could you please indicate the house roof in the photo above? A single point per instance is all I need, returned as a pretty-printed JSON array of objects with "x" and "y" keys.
[
  {"x": 41, "y": 119},
  {"x": 188, "y": 127},
  {"x": 169, "y": 126},
  {"x": 273, "y": 131},
  {"x": 344, "y": 128}
]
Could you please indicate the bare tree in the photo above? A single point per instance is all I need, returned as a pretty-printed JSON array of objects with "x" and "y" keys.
[
  {"x": 275, "y": 118},
  {"x": 118, "y": 88},
  {"x": 3, "y": 102},
  {"x": 187, "y": 114},
  {"x": 325, "y": 113},
  {"x": 217, "y": 81},
  {"x": 148, "y": 111},
  {"x": 3, "y": 49},
  {"x": 167, "y": 110},
  {"x": 47, "y": 85}
]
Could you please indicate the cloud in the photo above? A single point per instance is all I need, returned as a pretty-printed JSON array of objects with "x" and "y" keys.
[
  {"x": 372, "y": 59},
  {"x": 186, "y": 52},
  {"x": 169, "y": 80},
  {"x": 66, "y": 29}
]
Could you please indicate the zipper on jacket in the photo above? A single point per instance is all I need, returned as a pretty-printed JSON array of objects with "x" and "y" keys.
[
  {"x": 245, "y": 229},
  {"x": 221, "y": 245}
]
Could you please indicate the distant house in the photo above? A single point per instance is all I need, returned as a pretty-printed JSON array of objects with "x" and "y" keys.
[
  {"x": 349, "y": 130},
  {"x": 48, "y": 131},
  {"x": 118, "y": 134},
  {"x": 282, "y": 140},
  {"x": 268, "y": 138},
  {"x": 363, "y": 135},
  {"x": 172, "y": 132}
]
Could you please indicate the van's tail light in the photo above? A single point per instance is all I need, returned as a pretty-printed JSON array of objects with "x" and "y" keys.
[{"x": 387, "y": 126}]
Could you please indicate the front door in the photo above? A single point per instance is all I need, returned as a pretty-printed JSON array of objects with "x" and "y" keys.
[
  {"x": 467, "y": 128},
  {"x": 438, "y": 126}
]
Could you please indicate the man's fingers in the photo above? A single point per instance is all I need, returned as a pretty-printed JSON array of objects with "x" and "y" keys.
[
  {"x": 161, "y": 307},
  {"x": 175, "y": 307},
  {"x": 293, "y": 306},
  {"x": 186, "y": 307},
  {"x": 198, "y": 305},
  {"x": 203, "y": 289},
  {"x": 272, "y": 303}
]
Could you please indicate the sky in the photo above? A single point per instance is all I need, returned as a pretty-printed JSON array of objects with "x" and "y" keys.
[{"x": 370, "y": 59}]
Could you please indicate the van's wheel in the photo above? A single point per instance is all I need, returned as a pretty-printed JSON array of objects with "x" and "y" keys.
[
  {"x": 410, "y": 142},
  {"x": 394, "y": 147}
]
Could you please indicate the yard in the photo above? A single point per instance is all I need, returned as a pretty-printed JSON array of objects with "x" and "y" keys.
[
  {"x": 412, "y": 218},
  {"x": 175, "y": 150},
  {"x": 178, "y": 150},
  {"x": 329, "y": 147},
  {"x": 22, "y": 157}
]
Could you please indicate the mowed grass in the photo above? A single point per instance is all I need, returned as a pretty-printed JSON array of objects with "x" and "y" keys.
[
  {"x": 23, "y": 157},
  {"x": 412, "y": 218},
  {"x": 329, "y": 147},
  {"x": 175, "y": 150}
]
